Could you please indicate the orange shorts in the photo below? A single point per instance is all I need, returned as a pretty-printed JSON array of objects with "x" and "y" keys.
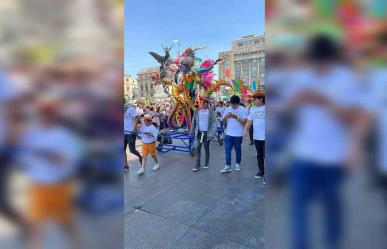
[
  {"x": 51, "y": 202},
  {"x": 149, "y": 149}
]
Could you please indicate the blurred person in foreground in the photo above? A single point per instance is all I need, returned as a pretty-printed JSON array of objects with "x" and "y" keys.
[
  {"x": 324, "y": 100},
  {"x": 257, "y": 119},
  {"x": 377, "y": 101},
  {"x": 50, "y": 158},
  {"x": 9, "y": 115}
]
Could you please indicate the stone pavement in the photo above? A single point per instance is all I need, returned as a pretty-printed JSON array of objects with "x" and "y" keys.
[{"x": 175, "y": 208}]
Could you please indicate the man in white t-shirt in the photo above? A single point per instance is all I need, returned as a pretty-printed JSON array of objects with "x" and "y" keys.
[
  {"x": 324, "y": 100},
  {"x": 130, "y": 123},
  {"x": 235, "y": 117},
  {"x": 203, "y": 127},
  {"x": 219, "y": 111},
  {"x": 257, "y": 118}
]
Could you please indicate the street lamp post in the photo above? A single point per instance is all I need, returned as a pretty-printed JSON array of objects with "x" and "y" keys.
[{"x": 177, "y": 42}]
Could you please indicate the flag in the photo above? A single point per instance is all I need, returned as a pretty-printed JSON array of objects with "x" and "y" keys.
[
  {"x": 227, "y": 72},
  {"x": 240, "y": 87},
  {"x": 237, "y": 85},
  {"x": 254, "y": 86}
]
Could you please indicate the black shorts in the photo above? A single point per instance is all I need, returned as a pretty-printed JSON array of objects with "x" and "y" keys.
[{"x": 129, "y": 139}]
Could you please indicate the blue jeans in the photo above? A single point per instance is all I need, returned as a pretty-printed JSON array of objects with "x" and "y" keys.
[
  {"x": 310, "y": 181},
  {"x": 229, "y": 143}
]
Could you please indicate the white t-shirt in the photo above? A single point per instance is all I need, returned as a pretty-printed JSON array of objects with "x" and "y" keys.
[
  {"x": 257, "y": 116},
  {"x": 38, "y": 142},
  {"x": 130, "y": 115},
  {"x": 146, "y": 139},
  {"x": 319, "y": 135},
  {"x": 234, "y": 127},
  {"x": 203, "y": 119},
  {"x": 220, "y": 110}
]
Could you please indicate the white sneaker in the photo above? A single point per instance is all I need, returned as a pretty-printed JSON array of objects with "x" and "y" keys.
[
  {"x": 226, "y": 169},
  {"x": 156, "y": 167},
  {"x": 237, "y": 167},
  {"x": 140, "y": 171}
]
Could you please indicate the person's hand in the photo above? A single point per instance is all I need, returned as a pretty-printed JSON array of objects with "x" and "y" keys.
[
  {"x": 244, "y": 135},
  {"x": 312, "y": 97},
  {"x": 230, "y": 115},
  {"x": 355, "y": 159}
]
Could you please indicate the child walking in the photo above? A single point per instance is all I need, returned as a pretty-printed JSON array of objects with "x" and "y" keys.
[{"x": 148, "y": 133}]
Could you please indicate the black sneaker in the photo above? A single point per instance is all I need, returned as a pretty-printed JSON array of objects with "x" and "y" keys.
[
  {"x": 259, "y": 175},
  {"x": 126, "y": 168},
  {"x": 206, "y": 166}
]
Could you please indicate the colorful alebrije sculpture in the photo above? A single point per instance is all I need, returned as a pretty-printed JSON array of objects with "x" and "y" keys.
[{"x": 190, "y": 75}]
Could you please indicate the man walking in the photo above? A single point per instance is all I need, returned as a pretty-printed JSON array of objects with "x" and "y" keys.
[
  {"x": 203, "y": 127},
  {"x": 130, "y": 124},
  {"x": 257, "y": 118},
  {"x": 235, "y": 118}
]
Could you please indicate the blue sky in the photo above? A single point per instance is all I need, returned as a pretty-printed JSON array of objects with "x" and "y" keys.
[{"x": 149, "y": 24}]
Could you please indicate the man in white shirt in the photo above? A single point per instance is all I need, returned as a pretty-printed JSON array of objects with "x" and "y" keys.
[
  {"x": 203, "y": 127},
  {"x": 130, "y": 123},
  {"x": 220, "y": 110},
  {"x": 235, "y": 117},
  {"x": 257, "y": 118},
  {"x": 324, "y": 100}
]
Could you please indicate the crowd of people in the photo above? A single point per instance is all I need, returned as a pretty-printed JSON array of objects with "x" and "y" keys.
[{"x": 237, "y": 119}]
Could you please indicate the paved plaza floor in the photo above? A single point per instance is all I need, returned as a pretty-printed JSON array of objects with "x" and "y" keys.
[{"x": 175, "y": 208}]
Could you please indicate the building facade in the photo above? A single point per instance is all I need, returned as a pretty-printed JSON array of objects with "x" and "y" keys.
[
  {"x": 146, "y": 87},
  {"x": 245, "y": 61},
  {"x": 130, "y": 88}
]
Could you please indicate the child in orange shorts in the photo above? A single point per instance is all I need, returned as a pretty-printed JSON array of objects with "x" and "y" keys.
[{"x": 148, "y": 133}]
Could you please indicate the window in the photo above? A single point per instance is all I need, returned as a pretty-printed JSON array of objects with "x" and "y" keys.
[
  {"x": 240, "y": 44},
  {"x": 254, "y": 61},
  {"x": 254, "y": 68}
]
